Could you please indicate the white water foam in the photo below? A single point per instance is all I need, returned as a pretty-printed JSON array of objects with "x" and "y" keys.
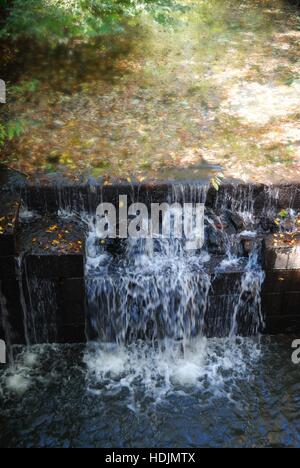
[
  {"x": 212, "y": 366},
  {"x": 18, "y": 378}
]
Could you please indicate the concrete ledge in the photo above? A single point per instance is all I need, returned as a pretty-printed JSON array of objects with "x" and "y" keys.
[
  {"x": 54, "y": 266},
  {"x": 281, "y": 253},
  {"x": 51, "y": 195},
  {"x": 281, "y": 281},
  {"x": 72, "y": 334},
  {"x": 52, "y": 248},
  {"x": 56, "y": 310}
]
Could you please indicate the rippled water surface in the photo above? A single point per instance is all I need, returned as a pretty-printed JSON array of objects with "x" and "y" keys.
[{"x": 220, "y": 393}]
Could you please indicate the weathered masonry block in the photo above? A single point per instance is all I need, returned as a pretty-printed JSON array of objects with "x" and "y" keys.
[
  {"x": 52, "y": 251},
  {"x": 281, "y": 291},
  {"x": 9, "y": 288}
]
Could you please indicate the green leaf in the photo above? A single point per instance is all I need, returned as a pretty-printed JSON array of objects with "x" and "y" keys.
[
  {"x": 283, "y": 214},
  {"x": 215, "y": 184}
]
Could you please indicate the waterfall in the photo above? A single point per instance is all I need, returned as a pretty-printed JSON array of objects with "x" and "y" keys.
[
  {"x": 170, "y": 303},
  {"x": 156, "y": 290},
  {"x": 249, "y": 301}
]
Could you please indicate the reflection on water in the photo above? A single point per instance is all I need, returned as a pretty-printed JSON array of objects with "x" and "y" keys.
[
  {"x": 221, "y": 393},
  {"x": 219, "y": 89}
]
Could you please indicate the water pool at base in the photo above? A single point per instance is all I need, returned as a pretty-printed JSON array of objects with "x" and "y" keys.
[{"x": 222, "y": 393}]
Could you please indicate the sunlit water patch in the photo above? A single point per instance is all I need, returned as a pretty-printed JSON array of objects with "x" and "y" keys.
[{"x": 258, "y": 104}]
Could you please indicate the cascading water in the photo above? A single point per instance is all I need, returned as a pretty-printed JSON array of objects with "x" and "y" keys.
[
  {"x": 155, "y": 289},
  {"x": 249, "y": 302},
  {"x": 163, "y": 325},
  {"x": 153, "y": 305},
  {"x": 151, "y": 311}
]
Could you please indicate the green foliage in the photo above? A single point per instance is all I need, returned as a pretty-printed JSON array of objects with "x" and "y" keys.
[
  {"x": 64, "y": 19},
  {"x": 216, "y": 181},
  {"x": 10, "y": 130},
  {"x": 283, "y": 214},
  {"x": 24, "y": 88},
  {"x": 166, "y": 11}
]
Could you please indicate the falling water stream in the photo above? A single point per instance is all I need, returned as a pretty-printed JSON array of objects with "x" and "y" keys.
[
  {"x": 161, "y": 366},
  {"x": 150, "y": 315}
]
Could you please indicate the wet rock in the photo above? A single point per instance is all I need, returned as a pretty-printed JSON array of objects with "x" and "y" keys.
[
  {"x": 10, "y": 180},
  {"x": 248, "y": 245},
  {"x": 238, "y": 249},
  {"x": 236, "y": 220},
  {"x": 7, "y": 267},
  {"x": 71, "y": 301},
  {"x": 115, "y": 247},
  {"x": 212, "y": 217},
  {"x": 268, "y": 224},
  {"x": 214, "y": 241},
  {"x": 10, "y": 290},
  {"x": 227, "y": 226}
]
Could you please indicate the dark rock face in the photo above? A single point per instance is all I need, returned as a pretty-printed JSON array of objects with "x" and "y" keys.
[
  {"x": 10, "y": 180},
  {"x": 214, "y": 241},
  {"x": 267, "y": 224},
  {"x": 116, "y": 247},
  {"x": 236, "y": 220},
  {"x": 248, "y": 246}
]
